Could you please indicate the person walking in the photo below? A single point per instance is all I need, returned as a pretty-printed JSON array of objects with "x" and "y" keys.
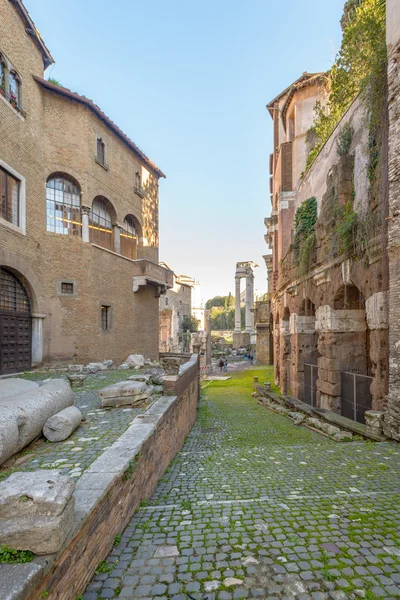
[
  {"x": 221, "y": 364},
  {"x": 225, "y": 365}
]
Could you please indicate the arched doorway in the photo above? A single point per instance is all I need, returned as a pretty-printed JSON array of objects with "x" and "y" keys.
[{"x": 15, "y": 325}]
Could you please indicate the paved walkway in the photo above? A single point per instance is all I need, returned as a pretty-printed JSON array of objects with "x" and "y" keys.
[{"x": 255, "y": 507}]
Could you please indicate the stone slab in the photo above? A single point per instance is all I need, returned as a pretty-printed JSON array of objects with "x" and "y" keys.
[
  {"x": 16, "y": 581},
  {"x": 123, "y": 388}
]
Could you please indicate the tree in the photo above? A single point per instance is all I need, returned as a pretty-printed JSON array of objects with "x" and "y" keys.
[
  {"x": 216, "y": 301},
  {"x": 190, "y": 323}
]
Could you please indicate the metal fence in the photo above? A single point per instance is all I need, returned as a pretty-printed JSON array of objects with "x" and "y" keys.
[
  {"x": 355, "y": 395},
  {"x": 310, "y": 384}
]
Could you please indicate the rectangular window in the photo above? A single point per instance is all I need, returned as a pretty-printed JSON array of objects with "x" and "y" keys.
[
  {"x": 105, "y": 317},
  {"x": 67, "y": 288},
  {"x": 101, "y": 151},
  {"x": 9, "y": 197},
  {"x": 138, "y": 184}
]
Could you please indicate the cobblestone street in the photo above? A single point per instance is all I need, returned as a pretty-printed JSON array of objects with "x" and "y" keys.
[{"x": 255, "y": 507}]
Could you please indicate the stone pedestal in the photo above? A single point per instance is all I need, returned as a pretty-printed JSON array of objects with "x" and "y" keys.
[
  {"x": 240, "y": 340},
  {"x": 36, "y": 511}
]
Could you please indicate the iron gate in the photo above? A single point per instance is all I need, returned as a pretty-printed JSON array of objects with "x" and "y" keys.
[
  {"x": 355, "y": 395},
  {"x": 310, "y": 384}
]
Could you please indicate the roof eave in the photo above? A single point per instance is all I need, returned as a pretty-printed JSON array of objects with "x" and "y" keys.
[
  {"x": 33, "y": 32},
  {"x": 62, "y": 91}
]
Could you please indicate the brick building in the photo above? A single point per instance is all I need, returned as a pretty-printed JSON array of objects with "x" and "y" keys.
[
  {"x": 79, "y": 272},
  {"x": 174, "y": 306}
]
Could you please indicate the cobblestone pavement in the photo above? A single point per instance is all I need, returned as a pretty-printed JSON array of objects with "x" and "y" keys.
[
  {"x": 255, "y": 507},
  {"x": 100, "y": 429}
]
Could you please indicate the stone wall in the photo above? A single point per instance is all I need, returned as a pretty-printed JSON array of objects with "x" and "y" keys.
[
  {"x": 335, "y": 313},
  {"x": 110, "y": 491},
  {"x": 392, "y": 419}
]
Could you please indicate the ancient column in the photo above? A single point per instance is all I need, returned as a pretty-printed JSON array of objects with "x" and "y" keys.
[
  {"x": 249, "y": 302},
  {"x": 37, "y": 338},
  {"x": 85, "y": 210},
  {"x": 238, "y": 324},
  {"x": 117, "y": 237}
]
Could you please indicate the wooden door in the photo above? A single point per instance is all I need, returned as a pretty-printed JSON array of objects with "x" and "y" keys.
[{"x": 15, "y": 325}]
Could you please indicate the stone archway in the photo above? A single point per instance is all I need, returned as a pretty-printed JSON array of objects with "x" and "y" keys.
[{"x": 31, "y": 284}]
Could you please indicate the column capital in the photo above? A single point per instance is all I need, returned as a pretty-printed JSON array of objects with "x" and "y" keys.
[{"x": 85, "y": 209}]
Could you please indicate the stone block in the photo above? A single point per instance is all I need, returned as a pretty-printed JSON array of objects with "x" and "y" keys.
[
  {"x": 332, "y": 403},
  {"x": 376, "y": 307},
  {"x": 75, "y": 368},
  {"x": 333, "y": 430},
  {"x": 343, "y": 435},
  {"x": 13, "y": 387},
  {"x": 36, "y": 511},
  {"x": 135, "y": 360},
  {"x": 374, "y": 421},
  {"x": 60, "y": 426},
  {"x": 329, "y": 319},
  {"x": 140, "y": 377},
  {"x": 125, "y": 393},
  {"x": 327, "y": 388},
  {"x": 94, "y": 367},
  {"x": 23, "y": 416},
  {"x": 109, "y": 364},
  {"x": 76, "y": 378}
]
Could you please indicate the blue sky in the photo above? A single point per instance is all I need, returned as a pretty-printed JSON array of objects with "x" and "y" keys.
[{"x": 188, "y": 82}]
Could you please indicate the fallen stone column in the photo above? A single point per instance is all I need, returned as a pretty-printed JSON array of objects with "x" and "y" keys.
[
  {"x": 60, "y": 426},
  {"x": 36, "y": 511},
  {"x": 14, "y": 387},
  {"x": 23, "y": 415}
]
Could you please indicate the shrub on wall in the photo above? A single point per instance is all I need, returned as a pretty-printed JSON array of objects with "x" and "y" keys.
[{"x": 360, "y": 68}]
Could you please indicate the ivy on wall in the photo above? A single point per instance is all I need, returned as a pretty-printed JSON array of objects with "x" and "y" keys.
[
  {"x": 304, "y": 234},
  {"x": 359, "y": 68}
]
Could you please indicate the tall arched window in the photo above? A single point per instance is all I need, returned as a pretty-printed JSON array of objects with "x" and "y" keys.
[
  {"x": 14, "y": 89},
  {"x": 63, "y": 205},
  {"x": 100, "y": 223},
  {"x": 129, "y": 238}
]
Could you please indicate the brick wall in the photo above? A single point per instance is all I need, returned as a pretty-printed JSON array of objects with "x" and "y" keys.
[
  {"x": 59, "y": 135},
  {"x": 74, "y": 568}
]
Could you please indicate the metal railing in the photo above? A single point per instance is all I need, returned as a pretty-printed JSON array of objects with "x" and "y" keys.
[
  {"x": 310, "y": 383},
  {"x": 356, "y": 396}
]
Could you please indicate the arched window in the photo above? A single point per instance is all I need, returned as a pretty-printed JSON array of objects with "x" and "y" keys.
[
  {"x": 129, "y": 238},
  {"x": 14, "y": 89},
  {"x": 100, "y": 223},
  {"x": 63, "y": 204}
]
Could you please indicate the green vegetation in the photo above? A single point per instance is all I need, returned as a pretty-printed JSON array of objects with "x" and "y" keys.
[
  {"x": 344, "y": 140},
  {"x": 359, "y": 68},
  {"x": 190, "y": 323},
  {"x": 54, "y": 81},
  {"x": 304, "y": 234},
  {"x": 10, "y": 556},
  {"x": 103, "y": 567},
  {"x": 117, "y": 540}
]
